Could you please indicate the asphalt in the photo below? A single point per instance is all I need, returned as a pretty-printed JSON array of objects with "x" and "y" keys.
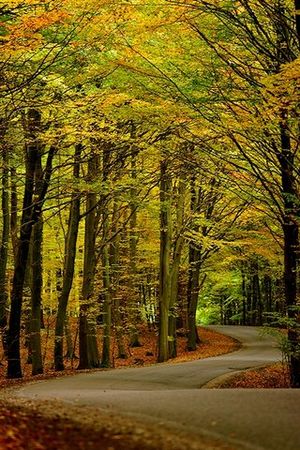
[{"x": 170, "y": 394}]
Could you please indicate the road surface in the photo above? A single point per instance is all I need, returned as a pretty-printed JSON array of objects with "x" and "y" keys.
[{"x": 170, "y": 394}]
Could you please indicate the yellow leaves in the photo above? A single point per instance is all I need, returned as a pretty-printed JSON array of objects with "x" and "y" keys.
[
  {"x": 282, "y": 90},
  {"x": 25, "y": 33},
  {"x": 43, "y": 20}
]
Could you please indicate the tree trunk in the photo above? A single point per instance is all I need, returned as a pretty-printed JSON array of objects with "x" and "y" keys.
[
  {"x": 133, "y": 238},
  {"x": 165, "y": 250},
  {"x": 4, "y": 241},
  {"x": 267, "y": 291},
  {"x": 290, "y": 224},
  {"x": 178, "y": 246},
  {"x": 36, "y": 293},
  {"x": 69, "y": 263},
  {"x": 30, "y": 215},
  {"x": 31, "y": 154},
  {"x": 256, "y": 306},
  {"x": 193, "y": 281},
  {"x": 69, "y": 343},
  {"x": 88, "y": 348},
  {"x": 13, "y": 212},
  {"x": 115, "y": 282},
  {"x": 106, "y": 357},
  {"x": 36, "y": 278},
  {"x": 106, "y": 362},
  {"x": 291, "y": 247},
  {"x": 244, "y": 297}
]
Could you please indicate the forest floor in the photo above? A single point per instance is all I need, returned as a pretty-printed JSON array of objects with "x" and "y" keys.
[
  {"x": 36, "y": 425},
  {"x": 274, "y": 376},
  {"x": 51, "y": 425},
  {"x": 212, "y": 344},
  {"x": 39, "y": 424}
]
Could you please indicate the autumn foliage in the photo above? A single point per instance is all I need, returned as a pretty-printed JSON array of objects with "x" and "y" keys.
[{"x": 149, "y": 176}]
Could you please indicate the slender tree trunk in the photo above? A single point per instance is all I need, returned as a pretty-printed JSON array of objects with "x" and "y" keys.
[
  {"x": 193, "y": 281},
  {"x": 88, "y": 348},
  {"x": 4, "y": 241},
  {"x": 175, "y": 270},
  {"x": 30, "y": 215},
  {"x": 165, "y": 250},
  {"x": 13, "y": 212},
  {"x": 107, "y": 318},
  {"x": 36, "y": 278},
  {"x": 36, "y": 293},
  {"x": 291, "y": 247},
  {"x": 69, "y": 342},
  {"x": 256, "y": 311},
  {"x": 115, "y": 281},
  {"x": 133, "y": 238},
  {"x": 244, "y": 297},
  {"x": 31, "y": 152},
  {"x": 106, "y": 360},
  {"x": 290, "y": 224},
  {"x": 69, "y": 263},
  {"x": 267, "y": 289}
]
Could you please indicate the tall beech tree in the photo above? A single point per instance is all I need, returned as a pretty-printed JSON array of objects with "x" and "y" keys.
[
  {"x": 194, "y": 274},
  {"x": 177, "y": 250},
  {"x": 115, "y": 272},
  {"x": 133, "y": 238},
  {"x": 36, "y": 278},
  {"x": 5, "y": 232},
  {"x": 32, "y": 208},
  {"x": 165, "y": 252},
  {"x": 107, "y": 304},
  {"x": 88, "y": 348},
  {"x": 69, "y": 264}
]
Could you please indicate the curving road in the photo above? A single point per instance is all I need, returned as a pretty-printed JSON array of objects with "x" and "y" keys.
[{"x": 170, "y": 394}]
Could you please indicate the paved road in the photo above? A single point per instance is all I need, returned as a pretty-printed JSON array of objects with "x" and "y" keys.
[{"x": 170, "y": 394}]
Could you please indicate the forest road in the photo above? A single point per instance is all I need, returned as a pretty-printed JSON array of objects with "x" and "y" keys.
[{"x": 169, "y": 394}]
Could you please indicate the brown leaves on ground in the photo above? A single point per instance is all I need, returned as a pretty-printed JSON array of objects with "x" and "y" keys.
[
  {"x": 23, "y": 430},
  {"x": 51, "y": 425},
  {"x": 212, "y": 344},
  {"x": 275, "y": 376}
]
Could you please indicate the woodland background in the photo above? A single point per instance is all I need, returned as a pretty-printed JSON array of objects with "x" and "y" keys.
[{"x": 150, "y": 176}]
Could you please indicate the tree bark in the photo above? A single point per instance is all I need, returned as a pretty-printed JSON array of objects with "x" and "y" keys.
[
  {"x": 30, "y": 215},
  {"x": 107, "y": 318},
  {"x": 106, "y": 359},
  {"x": 290, "y": 224},
  {"x": 4, "y": 240},
  {"x": 193, "y": 280},
  {"x": 88, "y": 348},
  {"x": 165, "y": 250},
  {"x": 178, "y": 246},
  {"x": 133, "y": 238},
  {"x": 69, "y": 263},
  {"x": 69, "y": 342},
  {"x": 36, "y": 293},
  {"x": 291, "y": 247},
  {"x": 13, "y": 212},
  {"x": 115, "y": 281}
]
